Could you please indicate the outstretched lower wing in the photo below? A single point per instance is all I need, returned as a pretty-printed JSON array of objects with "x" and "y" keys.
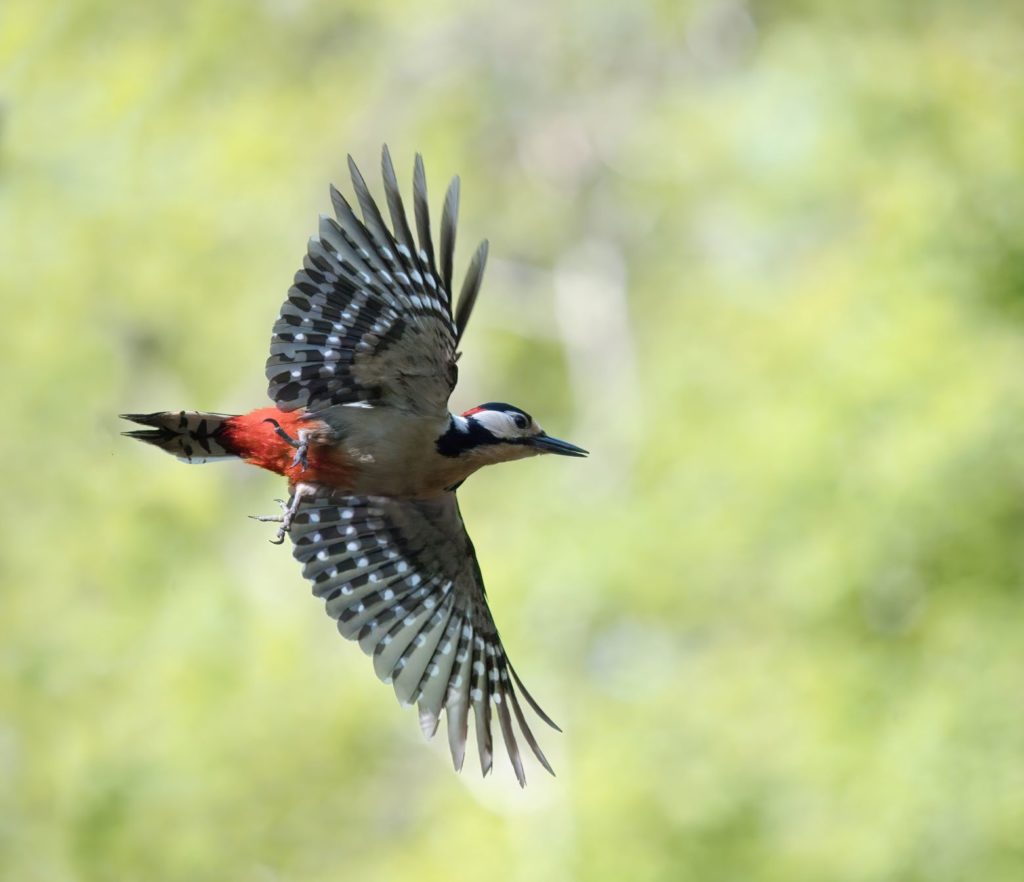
[
  {"x": 369, "y": 317},
  {"x": 401, "y": 577}
]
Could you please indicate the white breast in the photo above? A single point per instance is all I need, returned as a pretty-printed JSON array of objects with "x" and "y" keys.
[{"x": 394, "y": 453}]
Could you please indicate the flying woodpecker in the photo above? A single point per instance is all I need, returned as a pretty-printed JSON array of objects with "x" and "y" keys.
[{"x": 362, "y": 364}]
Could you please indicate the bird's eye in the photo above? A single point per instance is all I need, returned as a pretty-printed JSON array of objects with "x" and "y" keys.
[{"x": 520, "y": 421}]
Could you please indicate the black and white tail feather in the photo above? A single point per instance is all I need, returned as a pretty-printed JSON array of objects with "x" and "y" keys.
[{"x": 191, "y": 435}]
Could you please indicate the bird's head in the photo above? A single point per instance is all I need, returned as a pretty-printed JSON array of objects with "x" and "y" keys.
[{"x": 498, "y": 432}]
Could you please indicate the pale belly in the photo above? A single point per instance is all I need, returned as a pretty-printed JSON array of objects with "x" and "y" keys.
[{"x": 388, "y": 453}]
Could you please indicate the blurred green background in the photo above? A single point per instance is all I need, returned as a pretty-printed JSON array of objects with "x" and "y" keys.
[{"x": 765, "y": 260}]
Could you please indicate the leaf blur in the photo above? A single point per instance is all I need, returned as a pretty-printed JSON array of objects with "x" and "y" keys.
[{"x": 764, "y": 260}]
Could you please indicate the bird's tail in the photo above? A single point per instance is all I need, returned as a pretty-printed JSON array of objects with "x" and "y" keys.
[{"x": 192, "y": 436}]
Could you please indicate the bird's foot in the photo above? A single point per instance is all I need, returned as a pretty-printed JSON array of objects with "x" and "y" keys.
[
  {"x": 301, "y": 444},
  {"x": 288, "y": 512}
]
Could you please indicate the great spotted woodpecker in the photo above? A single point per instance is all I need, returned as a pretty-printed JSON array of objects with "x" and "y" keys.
[{"x": 362, "y": 363}]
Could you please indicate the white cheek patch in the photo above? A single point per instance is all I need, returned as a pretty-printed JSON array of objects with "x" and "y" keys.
[{"x": 498, "y": 424}]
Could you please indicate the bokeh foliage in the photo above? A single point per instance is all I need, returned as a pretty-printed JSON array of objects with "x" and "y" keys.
[{"x": 764, "y": 259}]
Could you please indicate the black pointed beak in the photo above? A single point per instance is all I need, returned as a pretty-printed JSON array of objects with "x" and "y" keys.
[{"x": 546, "y": 444}]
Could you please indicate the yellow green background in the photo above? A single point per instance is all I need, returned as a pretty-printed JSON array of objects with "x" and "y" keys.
[{"x": 765, "y": 260}]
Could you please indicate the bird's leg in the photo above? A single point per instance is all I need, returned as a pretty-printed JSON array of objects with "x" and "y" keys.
[
  {"x": 301, "y": 445},
  {"x": 288, "y": 511},
  {"x": 302, "y": 449}
]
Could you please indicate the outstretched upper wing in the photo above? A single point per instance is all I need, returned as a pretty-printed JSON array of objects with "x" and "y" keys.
[
  {"x": 402, "y": 578},
  {"x": 369, "y": 317}
]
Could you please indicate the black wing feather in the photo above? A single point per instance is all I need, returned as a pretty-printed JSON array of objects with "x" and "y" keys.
[
  {"x": 449, "y": 219},
  {"x": 470, "y": 290}
]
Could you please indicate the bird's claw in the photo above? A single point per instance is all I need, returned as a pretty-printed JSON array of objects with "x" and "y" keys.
[
  {"x": 289, "y": 510},
  {"x": 284, "y": 520}
]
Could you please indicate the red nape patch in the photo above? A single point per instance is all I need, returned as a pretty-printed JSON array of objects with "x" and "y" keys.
[
  {"x": 254, "y": 438},
  {"x": 472, "y": 411}
]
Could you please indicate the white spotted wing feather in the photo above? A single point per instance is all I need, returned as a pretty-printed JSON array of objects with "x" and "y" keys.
[
  {"x": 400, "y": 576},
  {"x": 369, "y": 320}
]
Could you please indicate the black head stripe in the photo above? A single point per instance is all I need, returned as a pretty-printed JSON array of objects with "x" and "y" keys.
[
  {"x": 456, "y": 441},
  {"x": 503, "y": 407}
]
